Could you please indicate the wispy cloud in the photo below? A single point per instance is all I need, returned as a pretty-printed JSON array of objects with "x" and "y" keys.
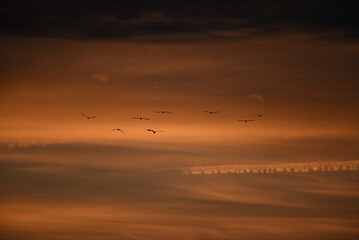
[
  {"x": 102, "y": 77},
  {"x": 257, "y": 97},
  {"x": 305, "y": 167}
]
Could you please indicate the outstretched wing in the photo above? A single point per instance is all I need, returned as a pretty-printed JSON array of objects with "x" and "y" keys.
[
  {"x": 93, "y": 117},
  {"x": 145, "y": 118},
  {"x": 84, "y": 115},
  {"x": 117, "y": 129},
  {"x": 135, "y": 118},
  {"x": 215, "y": 112},
  {"x": 206, "y": 111}
]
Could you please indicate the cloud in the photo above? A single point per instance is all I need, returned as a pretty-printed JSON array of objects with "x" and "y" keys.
[
  {"x": 176, "y": 20},
  {"x": 257, "y": 97},
  {"x": 305, "y": 167},
  {"x": 55, "y": 198},
  {"x": 102, "y": 77}
]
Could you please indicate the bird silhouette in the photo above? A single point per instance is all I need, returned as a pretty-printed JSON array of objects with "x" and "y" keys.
[
  {"x": 211, "y": 112},
  {"x": 260, "y": 115},
  {"x": 141, "y": 118},
  {"x": 164, "y": 112},
  {"x": 151, "y": 130},
  {"x": 246, "y": 120},
  {"x": 118, "y": 129},
  {"x": 88, "y": 117}
]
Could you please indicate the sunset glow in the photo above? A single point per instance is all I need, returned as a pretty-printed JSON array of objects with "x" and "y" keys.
[{"x": 193, "y": 70}]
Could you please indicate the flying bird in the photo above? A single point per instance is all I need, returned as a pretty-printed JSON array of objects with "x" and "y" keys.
[
  {"x": 246, "y": 120},
  {"x": 164, "y": 112},
  {"x": 260, "y": 115},
  {"x": 118, "y": 129},
  {"x": 151, "y": 130},
  {"x": 141, "y": 118},
  {"x": 88, "y": 117},
  {"x": 211, "y": 112}
]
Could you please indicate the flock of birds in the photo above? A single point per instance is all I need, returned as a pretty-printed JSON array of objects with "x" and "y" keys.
[{"x": 259, "y": 115}]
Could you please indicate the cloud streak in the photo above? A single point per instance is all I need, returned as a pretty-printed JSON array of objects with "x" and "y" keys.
[
  {"x": 257, "y": 97},
  {"x": 352, "y": 165},
  {"x": 102, "y": 77}
]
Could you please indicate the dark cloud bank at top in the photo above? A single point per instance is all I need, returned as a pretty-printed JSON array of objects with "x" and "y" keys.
[{"x": 176, "y": 20}]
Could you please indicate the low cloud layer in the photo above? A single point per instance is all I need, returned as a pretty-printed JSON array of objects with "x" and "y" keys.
[{"x": 90, "y": 202}]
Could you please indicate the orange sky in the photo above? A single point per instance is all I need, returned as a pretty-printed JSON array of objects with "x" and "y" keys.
[
  {"x": 66, "y": 177},
  {"x": 295, "y": 80}
]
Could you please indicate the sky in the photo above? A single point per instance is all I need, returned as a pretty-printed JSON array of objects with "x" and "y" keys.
[{"x": 290, "y": 174}]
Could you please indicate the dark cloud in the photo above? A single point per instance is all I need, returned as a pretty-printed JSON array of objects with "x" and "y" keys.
[{"x": 175, "y": 20}]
